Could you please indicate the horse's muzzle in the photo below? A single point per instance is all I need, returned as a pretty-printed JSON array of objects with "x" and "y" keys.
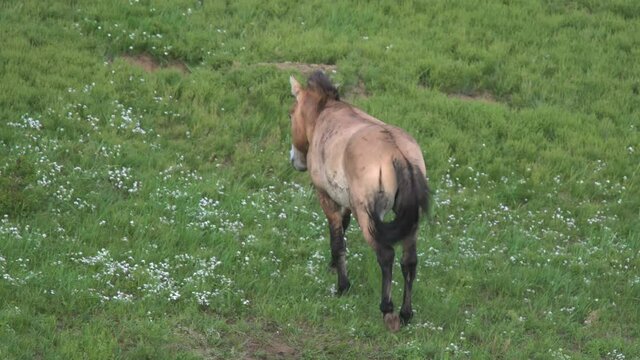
[{"x": 298, "y": 159}]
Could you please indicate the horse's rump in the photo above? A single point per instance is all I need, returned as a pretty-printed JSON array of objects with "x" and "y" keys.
[{"x": 410, "y": 199}]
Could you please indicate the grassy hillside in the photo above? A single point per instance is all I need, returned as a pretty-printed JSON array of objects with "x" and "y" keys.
[{"x": 148, "y": 208}]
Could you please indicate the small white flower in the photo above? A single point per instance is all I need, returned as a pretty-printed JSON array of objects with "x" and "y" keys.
[{"x": 174, "y": 295}]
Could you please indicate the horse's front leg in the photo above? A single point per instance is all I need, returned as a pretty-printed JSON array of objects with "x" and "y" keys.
[{"x": 338, "y": 219}]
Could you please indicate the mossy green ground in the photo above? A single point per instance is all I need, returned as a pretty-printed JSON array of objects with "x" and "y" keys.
[{"x": 153, "y": 213}]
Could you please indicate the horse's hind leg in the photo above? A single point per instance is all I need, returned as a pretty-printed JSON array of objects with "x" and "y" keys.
[
  {"x": 338, "y": 218},
  {"x": 408, "y": 265},
  {"x": 385, "y": 255},
  {"x": 346, "y": 219}
]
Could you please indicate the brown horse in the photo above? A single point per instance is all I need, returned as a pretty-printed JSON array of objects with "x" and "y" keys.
[{"x": 359, "y": 164}]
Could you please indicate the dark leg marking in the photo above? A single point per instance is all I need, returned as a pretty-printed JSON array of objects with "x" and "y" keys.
[
  {"x": 408, "y": 265},
  {"x": 385, "y": 256},
  {"x": 335, "y": 218},
  {"x": 346, "y": 219},
  {"x": 338, "y": 257}
]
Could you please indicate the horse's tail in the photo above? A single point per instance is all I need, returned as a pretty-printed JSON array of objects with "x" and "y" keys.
[{"x": 411, "y": 199}]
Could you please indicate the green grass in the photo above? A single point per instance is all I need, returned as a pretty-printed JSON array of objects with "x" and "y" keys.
[{"x": 154, "y": 214}]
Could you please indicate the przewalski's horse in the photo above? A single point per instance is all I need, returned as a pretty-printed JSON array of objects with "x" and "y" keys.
[{"x": 359, "y": 164}]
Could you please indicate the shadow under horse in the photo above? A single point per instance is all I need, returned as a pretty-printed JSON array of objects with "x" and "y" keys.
[{"x": 360, "y": 165}]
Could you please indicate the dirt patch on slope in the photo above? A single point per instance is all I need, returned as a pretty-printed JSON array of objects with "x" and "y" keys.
[
  {"x": 484, "y": 97},
  {"x": 150, "y": 64},
  {"x": 269, "y": 349},
  {"x": 355, "y": 91},
  {"x": 262, "y": 342},
  {"x": 302, "y": 67},
  {"x": 358, "y": 90}
]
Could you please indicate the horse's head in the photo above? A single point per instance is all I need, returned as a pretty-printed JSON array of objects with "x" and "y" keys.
[
  {"x": 299, "y": 140},
  {"x": 310, "y": 101}
]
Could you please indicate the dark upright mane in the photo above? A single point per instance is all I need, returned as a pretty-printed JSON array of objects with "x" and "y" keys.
[{"x": 320, "y": 83}]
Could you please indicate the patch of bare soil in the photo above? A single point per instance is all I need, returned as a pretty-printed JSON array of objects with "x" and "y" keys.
[
  {"x": 271, "y": 345},
  {"x": 484, "y": 97},
  {"x": 357, "y": 91},
  {"x": 349, "y": 92},
  {"x": 302, "y": 67},
  {"x": 268, "y": 349},
  {"x": 197, "y": 342},
  {"x": 266, "y": 343},
  {"x": 592, "y": 318},
  {"x": 149, "y": 64}
]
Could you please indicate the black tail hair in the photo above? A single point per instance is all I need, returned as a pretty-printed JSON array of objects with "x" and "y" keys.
[{"x": 411, "y": 197}]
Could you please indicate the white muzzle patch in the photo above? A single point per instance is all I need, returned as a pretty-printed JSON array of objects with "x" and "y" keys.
[{"x": 298, "y": 159}]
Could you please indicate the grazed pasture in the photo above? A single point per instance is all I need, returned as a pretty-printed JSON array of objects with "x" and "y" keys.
[{"x": 148, "y": 209}]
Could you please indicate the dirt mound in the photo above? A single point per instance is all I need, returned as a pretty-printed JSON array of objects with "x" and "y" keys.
[
  {"x": 484, "y": 97},
  {"x": 150, "y": 64},
  {"x": 302, "y": 67}
]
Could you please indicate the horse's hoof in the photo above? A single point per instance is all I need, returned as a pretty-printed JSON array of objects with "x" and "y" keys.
[
  {"x": 392, "y": 321},
  {"x": 405, "y": 317},
  {"x": 343, "y": 288}
]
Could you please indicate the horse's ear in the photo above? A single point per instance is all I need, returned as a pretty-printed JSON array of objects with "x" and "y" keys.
[{"x": 295, "y": 86}]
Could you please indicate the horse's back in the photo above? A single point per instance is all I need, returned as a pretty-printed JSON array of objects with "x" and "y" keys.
[
  {"x": 360, "y": 133},
  {"x": 355, "y": 155}
]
